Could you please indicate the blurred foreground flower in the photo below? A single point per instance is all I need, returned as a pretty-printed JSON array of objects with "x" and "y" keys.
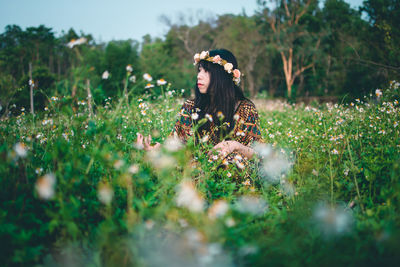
[
  {"x": 173, "y": 144},
  {"x": 105, "y": 75},
  {"x": 105, "y": 193},
  {"x": 149, "y": 85},
  {"x": 180, "y": 250},
  {"x": 252, "y": 204},
  {"x": 334, "y": 220},
  {"x": 133, "y": 169},
  {"x": 20, "y": 149},
  {"x": 378, "y": 92},
  {"x": 160, "y": 160},
  {"x": 74, "y": 42},
  {"x": 274, "y": 163},
  {"x": 45, "y": 186},
  {"x": 287, "y": 188},
  {"x": 218, "y": 209},
  {"x": 188, "y": 197}
]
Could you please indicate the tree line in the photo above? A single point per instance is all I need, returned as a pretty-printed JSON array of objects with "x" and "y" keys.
[{"x": 288, "y": 48}]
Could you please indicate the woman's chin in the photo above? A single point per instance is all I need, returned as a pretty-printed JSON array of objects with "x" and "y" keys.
[{"x": 202, "y": 91}]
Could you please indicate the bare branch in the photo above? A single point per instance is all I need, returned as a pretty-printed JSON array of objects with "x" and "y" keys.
[
  {"x": 286, "y": 8},
  {"x": 302, "y": 12},
  {"x": 272, "y": 21}
]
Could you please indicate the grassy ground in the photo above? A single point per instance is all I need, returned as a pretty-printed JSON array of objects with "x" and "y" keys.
[{"x": 75, "y": 190}]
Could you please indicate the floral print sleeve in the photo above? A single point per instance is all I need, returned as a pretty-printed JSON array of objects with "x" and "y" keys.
[
  {"x": 183, "y": 125},
  {"x": 247, "y": 128}
]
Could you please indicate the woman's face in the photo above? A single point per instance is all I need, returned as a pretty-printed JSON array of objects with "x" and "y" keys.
[{"x": 203, "y": 80}]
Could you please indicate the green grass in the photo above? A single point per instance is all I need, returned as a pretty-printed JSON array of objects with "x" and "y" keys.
[{"x": 336, "y": 205}]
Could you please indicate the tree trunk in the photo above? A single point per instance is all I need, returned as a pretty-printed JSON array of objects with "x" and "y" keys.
[{"x": 287, "y": 69}]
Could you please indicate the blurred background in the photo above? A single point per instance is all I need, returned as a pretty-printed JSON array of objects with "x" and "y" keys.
[{"x": 331, "y": 50}]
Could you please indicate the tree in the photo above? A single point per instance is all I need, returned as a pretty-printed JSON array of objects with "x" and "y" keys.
[
  {"x": 383, "y": 35},
  {"x": 241, "y": 35},
  {"x": 194, "y": 37},
  {"x": 296, "y": 45}
]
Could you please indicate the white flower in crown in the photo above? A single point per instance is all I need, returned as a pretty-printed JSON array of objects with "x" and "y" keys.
[
  {"x": 228, "y": 67},
  {"x": 217, "y": 59},
  {"x": 196, "y": 58},
  {"x": 204, "y": 54}
]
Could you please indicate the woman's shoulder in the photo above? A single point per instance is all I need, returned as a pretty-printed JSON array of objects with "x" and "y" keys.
[
  {"x": 246, "y": 105},
  {"x": 189, "y": 103},
  {"x": 187, "y": 106}
]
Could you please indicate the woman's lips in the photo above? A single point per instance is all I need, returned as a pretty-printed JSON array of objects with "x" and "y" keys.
[{"x": 199, "y": 84}]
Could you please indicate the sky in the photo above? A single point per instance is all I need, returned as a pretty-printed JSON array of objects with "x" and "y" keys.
[{"x": 110, "y": 20}]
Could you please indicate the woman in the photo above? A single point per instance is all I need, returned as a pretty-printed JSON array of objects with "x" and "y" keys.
[{"x": 232, "y": 123}]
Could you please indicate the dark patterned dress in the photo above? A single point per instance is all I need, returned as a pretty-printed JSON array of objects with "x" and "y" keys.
[{"x": 246, "y": 130}]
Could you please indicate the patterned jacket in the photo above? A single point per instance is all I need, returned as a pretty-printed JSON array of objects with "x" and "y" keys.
[{"x": 246, "y": 129}]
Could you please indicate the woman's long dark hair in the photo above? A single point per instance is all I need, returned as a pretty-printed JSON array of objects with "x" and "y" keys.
[{"x": 222, "y": 93}]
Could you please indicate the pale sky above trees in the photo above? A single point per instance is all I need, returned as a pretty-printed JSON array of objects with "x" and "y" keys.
[{"x": 118, "y": 19}]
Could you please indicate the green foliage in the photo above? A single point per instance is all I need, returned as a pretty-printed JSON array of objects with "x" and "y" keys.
[
  {"x": 76, "y": 190},
  {"x": 337, "y": 50}
]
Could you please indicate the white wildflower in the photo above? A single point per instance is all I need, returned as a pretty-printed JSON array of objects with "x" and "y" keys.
[
  {"x": 105, "y": 193},
  {"x": 132, "y": 79},
  {"x": 105, "y": 75},
  {"x": 218, "y": 209},
  {"x": 74, "y": 42},
  {"x": 147, "y": 77},
  {"x": 161, "y": 82},
  {"x": 45, "y": 186},
  {"x": 133, "y": 169},
  {"x": 209, "y": 117},
  {"x": 251, "y": 204},
  {"x": 21, "y": 150},
  {"x": 129, "y": 68},
  {"x": 173, "y": 144},
  {"x": 205, "y": 138},
  {"x": 188, "y": 197},
  {"x": 195, "y": 116},
  {"x": 332, "y": 220}
]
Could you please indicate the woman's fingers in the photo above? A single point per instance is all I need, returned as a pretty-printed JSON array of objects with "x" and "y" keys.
[
  {"x": 139, "y": 138},
  {"x": 221, "y": 148},
  {"x": 157, "y": 145},
  {"x": 146, "y": 142},
  {"x": 139, "y": 141}
]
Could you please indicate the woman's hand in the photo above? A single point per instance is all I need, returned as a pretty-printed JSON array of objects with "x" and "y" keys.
[
  {"x": 224, "y": 148},
  {"x": 145, "y": 143}
]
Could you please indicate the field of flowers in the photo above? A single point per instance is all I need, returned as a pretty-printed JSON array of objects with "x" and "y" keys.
[{"x": 323, "y": 190}]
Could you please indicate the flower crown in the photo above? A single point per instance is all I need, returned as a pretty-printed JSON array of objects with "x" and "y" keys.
[{"x": 228, "y": 67}]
